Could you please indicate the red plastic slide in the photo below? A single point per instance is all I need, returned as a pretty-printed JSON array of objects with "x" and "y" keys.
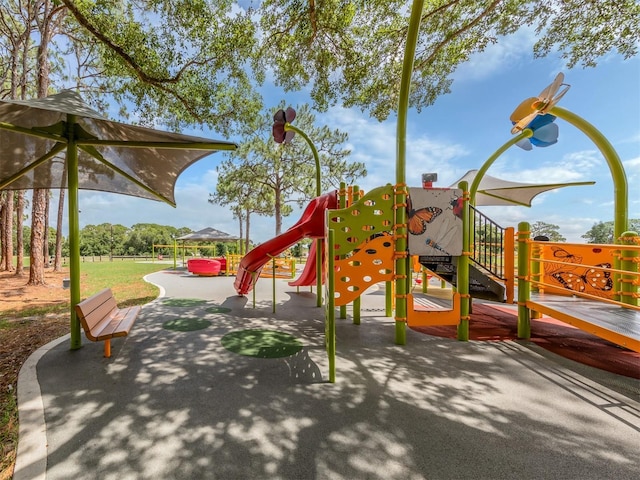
[
  {"x": 308, "y": 276},
  {"x": 310, "y": 225}
]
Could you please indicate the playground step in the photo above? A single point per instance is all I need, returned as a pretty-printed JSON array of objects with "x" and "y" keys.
[{"x": 481, "y": 285}]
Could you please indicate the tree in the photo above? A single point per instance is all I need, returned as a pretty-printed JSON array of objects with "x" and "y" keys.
[
  {"x": 288, "y": 171},
  {"x": 548, "y": 230},
  {"x": 20, "y": 205},
  {"x": 57, "y": 259},
  {"x": 47, "y": 21},
  {"x": 171, "y": 60},
  {"x": 602, "y": 232},
  {"x": 15, "y": 29},
  {"x": 352, "y": 52},
  {"x": 237, "y": 189},
  {"x": 179, "y": 62},
  {"x": 6, "y": 234}
]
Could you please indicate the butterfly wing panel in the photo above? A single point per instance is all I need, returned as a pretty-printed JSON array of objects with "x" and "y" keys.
[{"x": 433, "y": 224}]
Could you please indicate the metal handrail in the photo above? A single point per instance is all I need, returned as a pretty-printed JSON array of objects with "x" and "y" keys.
[{"x": 488, "y": 243}]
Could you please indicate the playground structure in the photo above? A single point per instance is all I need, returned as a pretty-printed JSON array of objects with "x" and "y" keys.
[
  {"x": 368, "y": 241},
  {"x": 277, "y": 267},
  {"x": 373, "y": 239},
  {"x": 359, "y": 253}
]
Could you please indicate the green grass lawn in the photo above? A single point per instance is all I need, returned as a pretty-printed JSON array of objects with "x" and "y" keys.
[{"x": 125, "y": 278}]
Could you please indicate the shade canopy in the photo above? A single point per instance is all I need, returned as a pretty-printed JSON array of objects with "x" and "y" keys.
[
  {"x": 494, "y": 191},
  {"x": 209, "y": 235},
  {"x": 60, "y": 142},
  {"x": 112, "y": 157}
]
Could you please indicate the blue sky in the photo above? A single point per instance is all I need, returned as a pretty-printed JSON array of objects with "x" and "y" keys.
[{"x": 458, "y": 133}]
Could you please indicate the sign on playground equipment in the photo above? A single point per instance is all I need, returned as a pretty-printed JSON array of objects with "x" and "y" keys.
[{"x": 434, "y": 221}]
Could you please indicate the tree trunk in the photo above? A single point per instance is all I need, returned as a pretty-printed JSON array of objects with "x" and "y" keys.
[
  {"x": 240, "y": 236},
  {"x": 19, "y": 234},
  {"x": 45, "y": 239},
  {"x": 278, "y": 210},
  {"x": 247, "y": 223},
  {"x": 7, "y": 232},
  {"x": 36, "y": 269},
  {"x": 41, "y": 196},
  {"x": 3, "y": 232},
  {"x": 57, "y": 263}
]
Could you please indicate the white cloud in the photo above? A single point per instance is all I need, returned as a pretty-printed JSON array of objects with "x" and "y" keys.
[
  {"x": 497, "y": 56},
  {"x": 374, "y": 143},
  {"x": 632, "y": 170}
]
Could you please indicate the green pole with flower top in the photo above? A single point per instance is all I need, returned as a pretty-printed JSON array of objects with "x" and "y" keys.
[
  {"x": 533, "y": 109},
  {"x": 283, "y": 133},
  {"x": 544, "y": 105}
]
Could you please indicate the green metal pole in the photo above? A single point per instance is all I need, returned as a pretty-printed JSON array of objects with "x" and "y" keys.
[
  {"x": 330, "y": 316},
  {"x": 526, "y": 133},
  {"x": 288, "y": 126},
  {"x": 629, "y": 263},
  {"x": 273, "y": 282},
  {"x": 343, "y": 204},
  {"x": 402, "y": 285},
  {"x": 175, "y": 254},
  {"x": 74, "y": 232},
  {"x": 524, "y": 286},
  {"x": 615, "y": 166},
  {"x": 253, "y": 289},
  {"x": 462, "y": 274}
]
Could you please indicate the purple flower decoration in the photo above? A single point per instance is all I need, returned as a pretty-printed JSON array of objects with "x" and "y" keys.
[
  {"x": 281, "y": 118},
  {"x": 545, "y": 132}
]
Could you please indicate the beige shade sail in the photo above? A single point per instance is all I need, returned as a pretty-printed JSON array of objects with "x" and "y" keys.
[
  {"x": 112, "y": 157},
  {"x": 494, "y": 191}
]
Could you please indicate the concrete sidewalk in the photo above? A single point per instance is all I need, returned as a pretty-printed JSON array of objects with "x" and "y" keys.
[{"x": 178, "y": 405}]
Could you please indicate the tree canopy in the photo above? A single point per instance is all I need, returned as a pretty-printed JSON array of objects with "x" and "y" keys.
[
  {"x": 173, "y": 59},
  {"x": 549, "y": 230},
  {"x": 602, "y": 232},
  {"x": 275, "y": 176},
  {"x": 351, "y": 52}
]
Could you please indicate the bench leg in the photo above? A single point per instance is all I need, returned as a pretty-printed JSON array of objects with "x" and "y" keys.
[{"x": 107, "y": 348}]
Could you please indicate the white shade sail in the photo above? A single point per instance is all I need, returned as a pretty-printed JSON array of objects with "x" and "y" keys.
[{"x": 494, "y": 191}]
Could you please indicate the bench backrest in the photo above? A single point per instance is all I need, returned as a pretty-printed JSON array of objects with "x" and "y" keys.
[{"x": 95, "y": 308}]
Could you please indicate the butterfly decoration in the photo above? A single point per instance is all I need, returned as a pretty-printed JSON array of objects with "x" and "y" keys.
[
  {"x": 530, "y": 108},
  {"x": 563, "y": 255},
  {"x": 593, "y": 278},
  {"x": 421, "y": 217}
]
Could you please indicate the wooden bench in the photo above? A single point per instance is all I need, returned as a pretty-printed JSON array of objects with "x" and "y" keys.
[{"x": 101, "y": 318}]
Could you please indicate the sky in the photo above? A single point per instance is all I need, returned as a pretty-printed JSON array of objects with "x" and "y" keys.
[{"x": 456, "y": 134}]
